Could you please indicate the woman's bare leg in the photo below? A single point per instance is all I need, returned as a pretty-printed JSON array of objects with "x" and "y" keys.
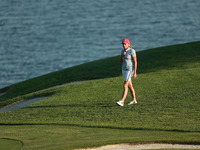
[
  {"x": 130, "y": 85},
  {"x": 124, "y": 94}
]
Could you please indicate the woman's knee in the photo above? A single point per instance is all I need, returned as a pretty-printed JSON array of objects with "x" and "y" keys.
[
  {"x": 130, "y": 85},
  {"x": 126, "y": 84}
]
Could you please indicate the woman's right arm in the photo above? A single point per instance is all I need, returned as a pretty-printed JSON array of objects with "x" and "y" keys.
[{"x": 120, "y": 59}]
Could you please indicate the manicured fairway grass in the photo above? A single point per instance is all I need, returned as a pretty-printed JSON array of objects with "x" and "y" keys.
[
  {"x": 86, "y": 114},
  {"x": 65, "y": 137}
]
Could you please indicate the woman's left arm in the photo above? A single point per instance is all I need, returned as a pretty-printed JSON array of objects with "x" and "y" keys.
[{"x": 135, "y": 66}]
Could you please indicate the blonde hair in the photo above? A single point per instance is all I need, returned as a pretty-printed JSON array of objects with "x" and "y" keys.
[{"x": 130, "y": 45}]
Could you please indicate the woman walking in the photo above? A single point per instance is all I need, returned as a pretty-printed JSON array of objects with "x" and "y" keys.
[{"x": 129, "y": 66}]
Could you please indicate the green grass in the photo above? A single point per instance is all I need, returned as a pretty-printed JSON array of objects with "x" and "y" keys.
[
  {"x": 86, "y": 114},
  {"x": 9, "y": 144},
  {"x": 69, "y": 137}
]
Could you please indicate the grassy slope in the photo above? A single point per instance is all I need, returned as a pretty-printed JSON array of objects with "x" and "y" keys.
[
  {"x": 178, "y": 56},
  {"x": 85, "y": 114}
]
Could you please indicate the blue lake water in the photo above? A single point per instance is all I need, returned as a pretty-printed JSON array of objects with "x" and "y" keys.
[{"x": 38, "y": 37}]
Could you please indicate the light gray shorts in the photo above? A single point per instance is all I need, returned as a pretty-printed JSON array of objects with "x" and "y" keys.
[{"x": 127, "y": 75}]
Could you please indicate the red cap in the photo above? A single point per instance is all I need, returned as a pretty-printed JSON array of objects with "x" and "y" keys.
[{"x": 124, "y": 41}]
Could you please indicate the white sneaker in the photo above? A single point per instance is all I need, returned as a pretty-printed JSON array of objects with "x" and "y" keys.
[
  {"x": 132, "y": 102},
  {"x": 120, "y": 103}
]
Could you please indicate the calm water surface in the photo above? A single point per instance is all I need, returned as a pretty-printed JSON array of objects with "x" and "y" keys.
[{"x": 42, "y": 36}]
